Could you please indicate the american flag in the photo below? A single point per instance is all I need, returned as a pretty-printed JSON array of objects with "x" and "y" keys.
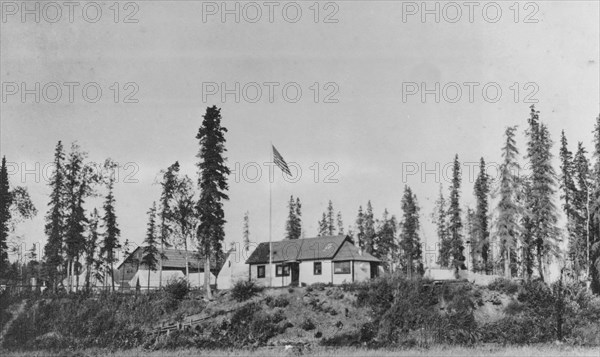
[{"x": 279, "y": 161}]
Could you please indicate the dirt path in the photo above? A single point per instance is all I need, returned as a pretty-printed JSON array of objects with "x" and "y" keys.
[{"x": 16, "y": 313}]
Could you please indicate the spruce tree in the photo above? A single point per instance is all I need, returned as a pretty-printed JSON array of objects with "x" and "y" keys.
[
  {"x": 481, "y": 242},
  {"x": 455, "y": 220},
  {"x": 246, "y": 232},
  {"x": 384, "y": 241},
  {"x": 323, "y": 226},
  {"x": 360, "y": 228},
  {"x": 112, "y": 232},
  {"x": 293, "y": 224},
  {"x": 91, "y": 245},
  {"x": 330, "y": 219},
  {"x": 168, "y": 187},
  {"x": 578, "y": 239},
  {"x": 411, "y": 254},
  {"x": 5, "y": 203},
  {"x": 507, "y": 227},
  {"x": 340, "y": 223},
  {"x": 298, "y": 225},
  {"x": 541, "y": 206},
  {"x": 78, "y": 188},
  {"x": 594, "y": 240},
  {"x": 55, "y": 219},
  {"x": 440, "y": 218},
  {"x": 213, "y": 186},
  {"x": 369, "y": 228},
  {"x": 567, "y": 185},
  {"x": 150, "y": 251}
]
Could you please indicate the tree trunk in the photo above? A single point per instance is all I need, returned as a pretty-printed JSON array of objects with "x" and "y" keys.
[
  {"x": 507, "y": 272},
  {"x": 76, "y": 277},
  {"x": 112, "y": 278},
  {"x": 207, "y": 276},
  {"x": 160, "y": 259},
  {"x": 148, "y": 279}
]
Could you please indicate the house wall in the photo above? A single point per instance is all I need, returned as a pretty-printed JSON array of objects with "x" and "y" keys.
[
  {"x": 278, "y": 281},
  {"x": 307, "y": 272},
  {"x": 361, "y": 270}
]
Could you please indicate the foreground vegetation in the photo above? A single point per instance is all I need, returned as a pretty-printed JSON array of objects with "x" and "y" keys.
[{"x": 383, "y": 315}]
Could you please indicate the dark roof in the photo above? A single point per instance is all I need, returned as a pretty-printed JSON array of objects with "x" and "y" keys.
[
  {"x": 174, "y": 258},
  {"x": 320, "y": 248},
  {"x": 349, "y": 251}
]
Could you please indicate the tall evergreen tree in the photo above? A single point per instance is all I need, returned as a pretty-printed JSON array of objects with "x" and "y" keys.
[
  {"x": 78, "y": 185},
  {"x": 340, "y": 223},
  {"x": 594, "y": 240},
  {"x": 481, "y": 241},
  {"x": 360, "y": 228},
  {"x": 440, "y": 218},
  {"x": 5, "y": 203},
  {"x": 91, "y": 246},
  {"x": 246, "y": 232},
  {"x": 213, "y": 186},
  {"x": 384, "y": 241},
  {"x": 293, "y": 225},
  {"x": 541, "y": 206},
  {"x": 55, "y": 220},
  {"x": 369, "y": 228},
  {"x": 567, "y": 185},
  {"x": 150, "y": 253},
  {"x": 110, "y": 242},
  {"x": 455, "y": 220},
  {"x": 299, "y": 231},
  {"x": 323, "y": 226},
  {"x": 330, "y": 219},
  {"x": 411, "y": 254},
  {"x": 168, "y": 187},
  {"x": 580, "y": 219},
  {"x": 471, "y": 238},
  {"x": 507, "y": 227}
]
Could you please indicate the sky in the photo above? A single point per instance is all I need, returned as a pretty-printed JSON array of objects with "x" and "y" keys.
[{"x": 353, "y": 102}]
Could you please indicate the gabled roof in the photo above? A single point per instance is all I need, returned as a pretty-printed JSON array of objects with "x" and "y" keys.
[
  {"x": 319, "y": 248},
  {"x": 349, "y": 251},
  {"x": 173, "y": 258}
]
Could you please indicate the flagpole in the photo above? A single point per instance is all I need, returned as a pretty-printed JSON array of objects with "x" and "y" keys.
[{"x": 270, "y": 227}]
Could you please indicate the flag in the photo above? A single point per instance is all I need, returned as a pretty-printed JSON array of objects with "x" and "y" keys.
[{"x": 280, "y": 162}]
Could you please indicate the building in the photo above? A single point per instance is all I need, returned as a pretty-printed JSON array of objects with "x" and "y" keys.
[
  {"x": 330, "y": 259},
  {"x": 173, "y": 260},
  {"x": 234, "y": 268}
]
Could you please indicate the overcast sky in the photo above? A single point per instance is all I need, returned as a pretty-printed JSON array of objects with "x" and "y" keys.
[{"x": 378, "y": 133}]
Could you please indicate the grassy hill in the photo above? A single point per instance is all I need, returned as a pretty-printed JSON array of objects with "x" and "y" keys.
[{"x": 386, "y": 313}]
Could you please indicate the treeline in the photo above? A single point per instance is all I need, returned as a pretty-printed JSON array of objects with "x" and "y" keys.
[
  {"x": 396, "y": 243},
  {"x": 521, "y": 236},
  {"x": 80, "y": 240},
  {"x": 15, "y": 206}
]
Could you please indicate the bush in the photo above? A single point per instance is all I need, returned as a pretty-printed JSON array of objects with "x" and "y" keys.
[
  {"x": 307, "y": 325},
  {"x": 280, "y": 301},
  {"x": 244, "y": 290},
  {"x": 177, "y": 288},
  {"x": 507, "y": 286}
]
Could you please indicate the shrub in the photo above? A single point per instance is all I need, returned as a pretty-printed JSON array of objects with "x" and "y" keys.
[
  {"x": 307, "y": 325},
  {"x": 507, "y": 286},
  {"x": 279, "y": 301},
  {"x": 244, "y": 290},
  {"x": 177, "y": 288},
  {"x": 318, "y": 286}
]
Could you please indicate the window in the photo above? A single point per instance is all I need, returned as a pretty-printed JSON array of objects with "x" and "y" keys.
[
  {"x": 282, "y": 270},
  {"x": 260, "y": 271},
  {"x": 317, "y": 269},
  {"x": 341, "y": 267}
]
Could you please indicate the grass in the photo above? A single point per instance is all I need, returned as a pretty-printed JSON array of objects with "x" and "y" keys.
[{"x": 484, "y": 350}]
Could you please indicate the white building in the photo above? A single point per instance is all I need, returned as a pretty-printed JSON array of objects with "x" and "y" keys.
[{"x": 329, "y": 259}]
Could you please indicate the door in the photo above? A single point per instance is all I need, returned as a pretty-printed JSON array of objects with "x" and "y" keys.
[{"x": 295, "y": 270}]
